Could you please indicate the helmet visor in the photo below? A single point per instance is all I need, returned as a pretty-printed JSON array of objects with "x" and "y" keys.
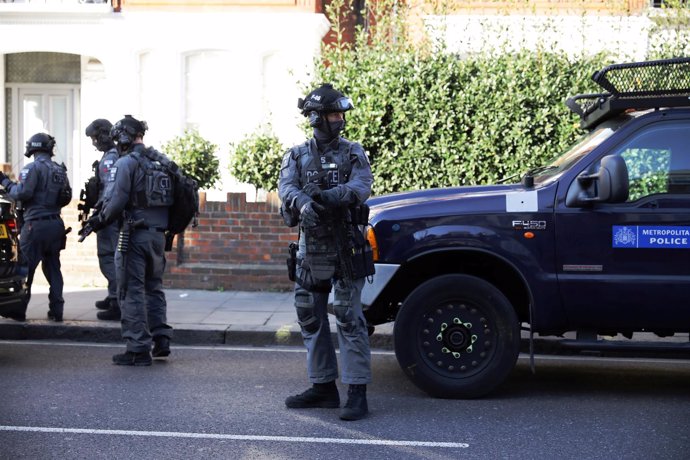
[{"x": 342, "y": 104}]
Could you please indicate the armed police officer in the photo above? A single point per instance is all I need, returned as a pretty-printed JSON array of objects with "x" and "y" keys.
[
  {"x": 323, "y": 185},
  {"x": 93, "y": 193},
  {"x": 43, "y": 190},
  {"x": 138, "y": 198}
]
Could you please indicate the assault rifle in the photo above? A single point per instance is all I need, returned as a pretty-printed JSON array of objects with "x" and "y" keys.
[
  {"x": 88, "y": 196},
  {"x": 85, "y": 231}
]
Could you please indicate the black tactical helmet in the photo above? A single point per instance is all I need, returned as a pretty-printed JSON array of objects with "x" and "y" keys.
[
  {"x": 40, "y": 142},
  {"x": 99, "y": 129},
  {"x": 126, "y": 130},
  {"x": 324, "y": 99}
]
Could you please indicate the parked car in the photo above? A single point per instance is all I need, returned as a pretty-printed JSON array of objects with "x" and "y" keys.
[
  {"x": 595, "y": 243},
  {"x": 13, "y": 300}
]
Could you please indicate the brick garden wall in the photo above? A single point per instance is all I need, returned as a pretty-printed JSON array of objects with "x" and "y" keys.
[{"x": 236, "y": 246}]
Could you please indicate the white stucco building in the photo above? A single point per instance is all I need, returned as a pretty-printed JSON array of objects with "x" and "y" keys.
[{"x": 224, "y": 71}]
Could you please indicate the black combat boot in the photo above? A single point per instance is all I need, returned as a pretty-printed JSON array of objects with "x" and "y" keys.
[
  {"x": 324, "y": 395},
  {"x": 112, "y": 313},
  {"x": 356, "y": 407},
  {"x": 103, "y": 304},
  {"x": 130, "y": 358},
  {"x": 57, "y": 317},
  {"x": 161, "y": 346}
]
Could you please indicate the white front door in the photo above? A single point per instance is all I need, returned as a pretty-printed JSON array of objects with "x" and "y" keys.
[{"x": 45, "y": 109}]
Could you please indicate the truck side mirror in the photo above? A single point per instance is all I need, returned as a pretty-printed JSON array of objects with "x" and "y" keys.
[{"x": 607, "y": 185}]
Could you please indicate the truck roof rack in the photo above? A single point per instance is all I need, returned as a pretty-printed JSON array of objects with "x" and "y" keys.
[{"x": 635, "y": 85}]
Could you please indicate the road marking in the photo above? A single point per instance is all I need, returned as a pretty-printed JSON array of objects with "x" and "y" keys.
[{"x": 239, "y": 437}]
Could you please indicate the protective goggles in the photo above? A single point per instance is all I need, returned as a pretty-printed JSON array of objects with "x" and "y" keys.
[
  {"x": 128, "y": 128},
  {"x": 342, "y": 104}
]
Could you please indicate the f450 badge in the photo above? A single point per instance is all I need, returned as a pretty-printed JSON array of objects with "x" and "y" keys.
[{"x": 529, "y": 225}]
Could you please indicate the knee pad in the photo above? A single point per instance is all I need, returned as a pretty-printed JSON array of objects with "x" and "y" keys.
[
  {"x": 344, "y": 318},
  {"x": 342, "y": 308},
  {"x": 304, "y": 304}
]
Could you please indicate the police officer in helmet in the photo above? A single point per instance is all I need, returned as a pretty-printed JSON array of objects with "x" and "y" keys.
[
  {"x": 324, "y": 183},
  {"x": 138, "y": 198},
  {"x": 43, "y": 189},
  {"x": 106, "y": 238}
]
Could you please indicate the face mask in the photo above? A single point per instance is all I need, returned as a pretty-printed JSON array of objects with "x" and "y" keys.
[
  {"x": 331, "y": 131},
  {"x": 336, "y": 127}
]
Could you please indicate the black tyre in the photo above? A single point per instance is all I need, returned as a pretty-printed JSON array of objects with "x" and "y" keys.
[{"x": 457, "y": 336}]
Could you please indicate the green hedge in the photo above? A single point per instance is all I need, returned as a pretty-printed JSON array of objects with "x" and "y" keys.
[
  {"x": 436, "y": 120},
  {"x": 431, "y": 119}
]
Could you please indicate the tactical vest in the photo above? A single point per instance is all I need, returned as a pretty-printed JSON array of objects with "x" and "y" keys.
[
  {"x": 328, "y": 170},
  {"x": 158, "y": 186},
  {"x": 53, "y": 189}
]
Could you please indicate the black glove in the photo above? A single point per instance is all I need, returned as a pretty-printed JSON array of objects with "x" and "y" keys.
[
  {"x": 310, "y": 214},
  {"x": 312, "y": 190},
  {"x": 331, "y": 198},
  {"x": 4, "y": 180},
  {"x": 95, "y": 222}
]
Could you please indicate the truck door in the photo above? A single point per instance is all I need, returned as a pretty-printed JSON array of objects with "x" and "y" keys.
[{"x": 627, "y": 265}]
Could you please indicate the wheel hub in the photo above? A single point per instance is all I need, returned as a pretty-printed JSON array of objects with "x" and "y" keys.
[{"x": 457, "y": 339}]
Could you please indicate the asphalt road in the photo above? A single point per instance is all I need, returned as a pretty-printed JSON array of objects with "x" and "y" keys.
[{"x": 66, "y": 401}]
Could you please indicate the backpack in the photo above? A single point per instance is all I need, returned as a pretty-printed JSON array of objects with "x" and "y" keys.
[
  {"x": 185, "y": 191},
  {"x": 186, "y": 196},
  {"x": 58, "y": 190}
]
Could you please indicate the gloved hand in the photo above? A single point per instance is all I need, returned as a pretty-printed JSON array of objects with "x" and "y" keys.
[
  {"x": 309, "y": 214},
  {"x": 4, "y": 180},
  {"x": 312, "y": 190},
  {"x": 95, "y": 222},
  {"x": 330, "y": 198}
]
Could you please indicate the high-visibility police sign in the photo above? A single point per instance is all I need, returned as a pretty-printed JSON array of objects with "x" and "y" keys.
[{"x": 666, "y": 237}]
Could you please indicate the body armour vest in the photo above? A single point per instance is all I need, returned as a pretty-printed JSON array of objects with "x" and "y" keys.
[
  {"x": 324, "y": 244},
  {"x": 53, "y": 190}
]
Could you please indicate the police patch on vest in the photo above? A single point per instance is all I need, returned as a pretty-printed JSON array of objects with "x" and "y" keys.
[
  {"x": 111, "y": 175},
  {"x": 23, "y": 173}
]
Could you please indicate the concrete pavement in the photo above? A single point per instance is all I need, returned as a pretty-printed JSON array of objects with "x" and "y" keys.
[
  {"x": 197, "y": 317},
  {"x": 250, "y": 318}
]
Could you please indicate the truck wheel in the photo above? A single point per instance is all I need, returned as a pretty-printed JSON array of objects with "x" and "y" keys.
[{"x": 457, "y": 336}]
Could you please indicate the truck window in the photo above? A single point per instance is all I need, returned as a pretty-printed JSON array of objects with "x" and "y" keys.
[{"x": 658, "y": 160}]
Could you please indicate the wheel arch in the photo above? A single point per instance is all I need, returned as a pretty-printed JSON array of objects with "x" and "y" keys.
[{"x": 486, "y": 265}]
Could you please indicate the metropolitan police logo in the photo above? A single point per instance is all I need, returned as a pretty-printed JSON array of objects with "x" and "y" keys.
[{"x": 624, "y": 237}]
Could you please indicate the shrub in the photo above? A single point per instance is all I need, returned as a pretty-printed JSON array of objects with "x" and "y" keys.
[
  {"x": 196, "y": 157},
  {"x": 256, "y": 159}
]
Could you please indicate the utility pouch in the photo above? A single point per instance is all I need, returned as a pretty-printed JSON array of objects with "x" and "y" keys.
[
  {"x": 306, "y": 280},
  {"x": 321, "y": 271},
  {"x": 363, "y": 262},
  {"x": 168, "y": 241},
  {"x": 360, "y": 214},
  {"x": 292, "y": 262}
]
